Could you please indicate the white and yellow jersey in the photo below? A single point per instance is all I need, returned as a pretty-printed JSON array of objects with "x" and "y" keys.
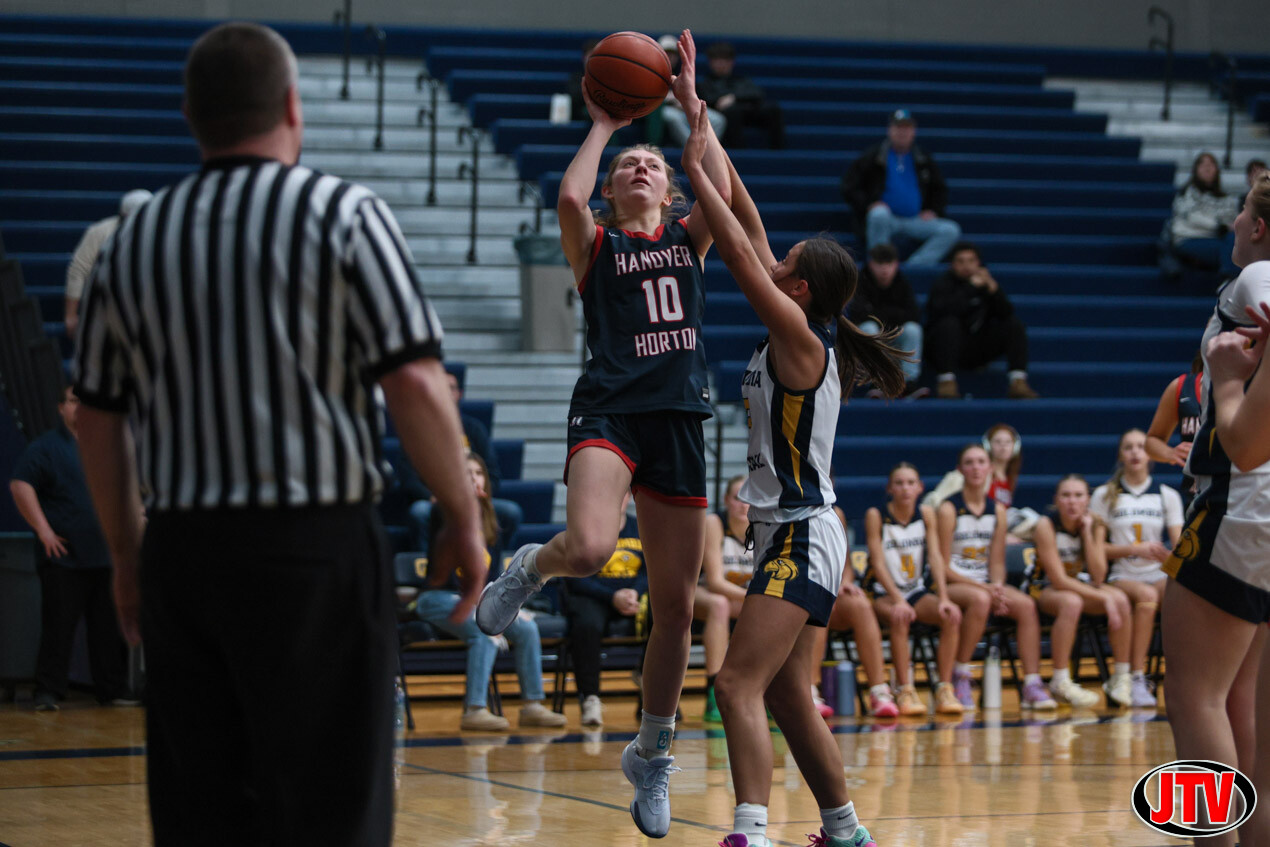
[
  {"x": 904, "y": 550},
  {"x": 1138, "y": 515},
  {"x": 791, "y": 438},
  {"x": 972, "y": 538}
]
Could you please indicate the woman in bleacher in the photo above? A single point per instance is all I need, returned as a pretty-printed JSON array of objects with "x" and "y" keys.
[
  {"x": 1141, "y": 521},
  {"x": 910, "y": 585},
  {"x": 635, "y": 420},
  {"x": 793, "y": 387},
  {"x": 1068, "y": 579},
  {"x": 972, "y": 528},
  {"x": 1220, "y": 568},
  {"x": 1202, "y": 214},
  {"x": 726, "y": 568},
  {"x": 435, "y": 605}
]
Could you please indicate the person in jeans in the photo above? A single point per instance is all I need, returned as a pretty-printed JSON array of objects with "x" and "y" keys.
[
  {"x": 970, "y": 322},
  {"x": 884, "y": 302},
  {"x": 896, "y": 189},
  {"x": 592, "y": 602},
  {"x": 437, "y": 605}
]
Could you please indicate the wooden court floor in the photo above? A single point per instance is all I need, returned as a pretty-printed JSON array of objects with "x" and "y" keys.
[{"x": 77, "y": 777}]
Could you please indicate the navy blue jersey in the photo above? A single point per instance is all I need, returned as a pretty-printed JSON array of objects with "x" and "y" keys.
[
  {"x": 1189, "y": 409},
  {"x": 643, "y": 297}
]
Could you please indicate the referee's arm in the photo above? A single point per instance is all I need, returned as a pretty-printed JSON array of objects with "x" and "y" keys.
[{"x": 427, "y": 423}]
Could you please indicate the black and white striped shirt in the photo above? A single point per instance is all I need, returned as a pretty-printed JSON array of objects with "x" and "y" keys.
[{"x": 242, "y": 317}]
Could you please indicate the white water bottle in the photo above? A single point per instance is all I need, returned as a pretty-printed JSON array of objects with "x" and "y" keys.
[{"x": 992, "y": 679}]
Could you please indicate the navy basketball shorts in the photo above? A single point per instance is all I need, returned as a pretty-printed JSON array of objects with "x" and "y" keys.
[
  {"x": 665, "y": 451},
  {"x": 1223, "y": 552},
  {"x": 802, "y": 562}
]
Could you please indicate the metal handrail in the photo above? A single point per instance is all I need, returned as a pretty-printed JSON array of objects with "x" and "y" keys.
[
  {"x": 1167, "y": 45},
  {"x": 346, "y": 17},
  {"x": 1216, "y": 58},
  {"x": 473, "y": 172},
  {"x": 381, "y": 39},
  {"x": 529, "y": 189},
  {"x": 430, "y": 112}
]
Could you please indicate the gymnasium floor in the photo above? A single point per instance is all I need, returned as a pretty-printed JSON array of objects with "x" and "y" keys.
[{"x": 77, "y": 777}]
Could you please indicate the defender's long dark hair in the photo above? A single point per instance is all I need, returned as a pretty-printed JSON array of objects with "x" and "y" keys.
[{"x": 831, "y": 277}]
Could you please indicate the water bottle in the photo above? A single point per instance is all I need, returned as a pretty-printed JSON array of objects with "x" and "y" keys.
[
  {"x": 827, "y": 687},
  {"x": 992, "y": 679},
  {"x": 844, "y": 689}
]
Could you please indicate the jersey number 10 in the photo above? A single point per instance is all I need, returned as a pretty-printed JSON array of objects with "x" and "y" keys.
[{"x": 671, "y": 307}]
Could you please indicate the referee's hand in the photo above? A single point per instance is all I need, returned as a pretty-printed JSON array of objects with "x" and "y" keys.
[{"x": 464, "y": 549}]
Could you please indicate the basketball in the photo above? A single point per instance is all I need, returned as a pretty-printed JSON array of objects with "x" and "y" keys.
[{"x": 627, "y": 75}]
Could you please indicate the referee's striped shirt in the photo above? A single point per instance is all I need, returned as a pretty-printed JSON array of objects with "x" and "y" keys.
[{"x": 241, "y": 317}]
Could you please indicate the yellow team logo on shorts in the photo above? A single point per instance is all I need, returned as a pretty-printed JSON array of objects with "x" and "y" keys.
[
  {"x": 1188, "y": 546},
  {"x": 782, "y": 569}
]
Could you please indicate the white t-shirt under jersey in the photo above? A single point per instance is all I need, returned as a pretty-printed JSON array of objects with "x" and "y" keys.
[{"x": 1140, "y": 515}]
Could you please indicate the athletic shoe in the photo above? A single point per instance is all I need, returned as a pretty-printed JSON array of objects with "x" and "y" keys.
[
  {"x": 1072, "y": 694},
  {"x": 592, "y": 711},
  {"x": 910, "y": 703},
  {"x": 1142, "y": 698},
  {"x": 651, "y": 778},
  {"x": 860, "y": 839},
  {"x": 501, "y": 600},
  {"x": 946, "y": 702},
  {"x": 483, "y": 720},
  {"x": 882, "y": 705},
  {"x": 123, "y": 701},
  {"x": 1020, "y": 390},
  {"x": 1037, "y": 696},
  {"x": 536, "y": 714},
  {"x": 946, "y": 389},
  {"x": 822, "y": 708},
  {"x": 1119, "y": 689},
  {"x": 739, "y": 839},
  {"x": 961, "y": 688},
  {"x": 45, "y": 702},
  {"x": 712, "y": 708}
]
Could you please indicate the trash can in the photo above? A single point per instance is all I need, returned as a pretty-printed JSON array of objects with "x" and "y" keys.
[
  {"x": 19, "y": 606},
  {"x": 548, "y": 320}
]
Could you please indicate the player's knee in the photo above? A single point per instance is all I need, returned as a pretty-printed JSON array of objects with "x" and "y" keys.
[
  {"x": 586, "y": 555},
  {"x": 1071, "y": 607},
  {"x": 720, "y": 608},
  {"x": 729, "y": 690},
  {"x": 980, "y": 605}
]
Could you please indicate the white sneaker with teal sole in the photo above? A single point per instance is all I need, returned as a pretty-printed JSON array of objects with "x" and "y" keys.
[
  {"x": 501, "y": 600},
  {"x": 860, "y": 839},
  {"x": 651, "y": 778}
]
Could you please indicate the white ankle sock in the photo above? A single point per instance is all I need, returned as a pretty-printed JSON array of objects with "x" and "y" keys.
[
  {"x": 1061, "y": 675},
  {"x": 1139, "y": 674},
  {"x": 750, "y": 819},
  {"x": 1030, "y": 678},
  {"x": 1013, "y": 375},
  {"x": 840, "y": 822},
  {"x": 655, "y": 736},
  {"x": 530, "y": 564},
  {"x": 880, "y": 690},
  {"x": 961, "y": 667},
  {"x": 1122, "y": 668}
]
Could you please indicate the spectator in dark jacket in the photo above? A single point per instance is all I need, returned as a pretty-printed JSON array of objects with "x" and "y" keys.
[
  {"x": 592, "y": 602},
  {"x": 477, "y": 442},
  {"x": 740, "y": 100},
  {"x": 895, "y": 189},
  {"x": 884, "y": 301},
  {"x": 970, "y": 322}
]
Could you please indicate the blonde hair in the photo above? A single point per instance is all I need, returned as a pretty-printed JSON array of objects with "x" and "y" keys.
[
  {"x": 1115, "y": 485},
  {"x": 1258, "y": 201},
  {"x": 678, "y": 200}
]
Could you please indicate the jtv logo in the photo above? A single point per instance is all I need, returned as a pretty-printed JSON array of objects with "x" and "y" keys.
[{"x": 1194, "y": 798}]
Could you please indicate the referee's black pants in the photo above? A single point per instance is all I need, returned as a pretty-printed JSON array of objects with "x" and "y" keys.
[
  {"x": 950, "y": 347},
  {"x": 270, "y": 648}
]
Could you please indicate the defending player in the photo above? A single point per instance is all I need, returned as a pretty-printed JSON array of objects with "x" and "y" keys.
[
  {"x": 635, "y": 418},
  {"x": 910, "y": 584},
  {"x": 793, "y": 387}
]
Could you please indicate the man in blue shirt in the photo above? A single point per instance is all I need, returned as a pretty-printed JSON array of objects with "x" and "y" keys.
[
  {"x": 896, "y": 189},
  {"x": 75, "y": 576}
]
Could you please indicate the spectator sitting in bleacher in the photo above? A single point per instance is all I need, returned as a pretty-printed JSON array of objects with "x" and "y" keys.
[
  {"x": 85, "y": 255},
  {"x": 674, "y": 121},
  {"x": 895, "y": 189},
  {"x": 884, "y": 301},
  {"x": 435, "y": 605},
  {"x": 740, "y": 100},
  {"x": 51, "y": 494},
  {"x": 970, "y": 322},
  {"x": 726, "y": 568},
  {"x": 1199, "y": 230},
  {"x": 577, "y": 106},
  {"x": 477, "y": 441},
  {"x": 592, "y": 602}
]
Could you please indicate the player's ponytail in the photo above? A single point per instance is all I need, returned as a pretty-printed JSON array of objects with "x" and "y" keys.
[{"x": 831, "y": 277}]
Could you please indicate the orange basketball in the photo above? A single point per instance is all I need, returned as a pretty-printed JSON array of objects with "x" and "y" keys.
[{"x": 627, "y": 75}]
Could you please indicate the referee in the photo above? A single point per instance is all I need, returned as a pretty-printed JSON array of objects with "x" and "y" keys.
[{"x": 238, "y": 324}]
